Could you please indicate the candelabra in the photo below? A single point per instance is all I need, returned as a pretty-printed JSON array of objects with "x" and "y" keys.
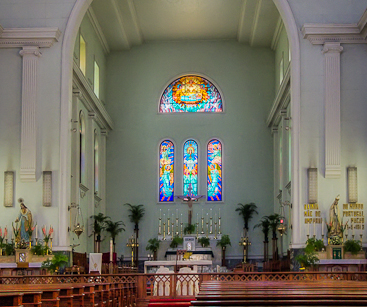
[{"x": 245, "y": 243}]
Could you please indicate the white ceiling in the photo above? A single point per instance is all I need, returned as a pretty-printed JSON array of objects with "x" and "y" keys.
[{"x": 126, "y": 23}]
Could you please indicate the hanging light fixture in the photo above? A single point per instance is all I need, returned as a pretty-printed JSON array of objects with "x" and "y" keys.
[{"x": 78, "y": 225}]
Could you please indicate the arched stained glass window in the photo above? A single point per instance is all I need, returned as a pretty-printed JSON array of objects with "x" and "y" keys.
[
  {"x": 191, "y": 93},
  {"x": 190, "y": 168},
  {"x": 166, "y": 171},
  {"x": 214, "y": 181}
]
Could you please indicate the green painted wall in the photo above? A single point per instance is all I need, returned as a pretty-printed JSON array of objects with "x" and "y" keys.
[{"x": 137, "y": 78}]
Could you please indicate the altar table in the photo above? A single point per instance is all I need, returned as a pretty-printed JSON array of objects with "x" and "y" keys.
[
  {"x": 167, "y": 263},
  {"x": 347, "y": 265}
]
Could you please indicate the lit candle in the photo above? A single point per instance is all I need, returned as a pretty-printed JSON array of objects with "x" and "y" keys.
[
  {"x": 314, "y": 227},
  {"x": 219, "y": 213},
  {"x": 322, "y": 227},
  {"x": 202, "y": 213},
  {"x": 181, "y": 218},
  {"x": 36, "y": 231},
  {"x": 111, "y": 250},
  {"x": 211, "y": 213}
]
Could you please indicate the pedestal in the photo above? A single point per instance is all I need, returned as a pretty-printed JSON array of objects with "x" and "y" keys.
[{"x": 335, "y": 251}]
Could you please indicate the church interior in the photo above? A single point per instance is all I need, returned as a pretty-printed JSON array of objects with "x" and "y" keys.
[{"x": 212, "y": 138}]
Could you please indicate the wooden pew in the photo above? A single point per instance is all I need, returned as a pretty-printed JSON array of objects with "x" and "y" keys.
[
  {"x": 337, "y": 293},
  {"x": 11, "y": 299}
]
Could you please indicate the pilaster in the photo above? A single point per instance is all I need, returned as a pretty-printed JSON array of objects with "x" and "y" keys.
[
  {"x": 28, "y": 154},
  {"x": 332, "y": 110},
  {"x": 102, "y": 173}
]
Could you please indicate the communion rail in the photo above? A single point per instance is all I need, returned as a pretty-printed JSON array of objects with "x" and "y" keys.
[{"x": 175, "y": 285}]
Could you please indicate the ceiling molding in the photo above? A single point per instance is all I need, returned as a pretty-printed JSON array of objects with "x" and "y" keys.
[
  {"x": 19, "y": 37},
  {"x": 277, "y": 32},
  {"x": 255, "y": 22},
  {"x": 122, "y": 31},
  {"x": 241, "y": 24},
  {"x": 362, "y": 25},
  {"x": 318, "y": 34},
  {"x": 97, "y": 28},
  {"x": 135, "y": 20}
]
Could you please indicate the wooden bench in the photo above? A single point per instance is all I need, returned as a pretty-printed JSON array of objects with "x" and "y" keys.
[{"x": 334, "y": 293}]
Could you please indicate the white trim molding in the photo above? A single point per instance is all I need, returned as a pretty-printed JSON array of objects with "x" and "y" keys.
[
  {"x": 97, "y": 28},
  {"x": 332, "y": 110},
  {"x": 19, "y": 37}
]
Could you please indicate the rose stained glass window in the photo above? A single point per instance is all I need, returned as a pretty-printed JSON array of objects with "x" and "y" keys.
[
  {"x": 166, "y": 171},
  {"x": 190, "y": 168},
  {"x": 214, "y": 168},
  {"x": 191, "y": 93}
]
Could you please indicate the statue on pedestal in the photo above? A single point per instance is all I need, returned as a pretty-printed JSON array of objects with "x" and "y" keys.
[
  {"x": 25, "y": 220},
  {"x": 335, "y": 226}
]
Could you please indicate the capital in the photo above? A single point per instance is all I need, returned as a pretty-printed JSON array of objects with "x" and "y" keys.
[{"x": 30, "y": 50}]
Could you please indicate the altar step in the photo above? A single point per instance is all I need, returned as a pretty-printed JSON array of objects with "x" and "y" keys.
[{"x": 169, "y": 302}]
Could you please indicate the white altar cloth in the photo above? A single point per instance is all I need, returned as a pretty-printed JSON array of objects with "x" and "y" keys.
[{"x": 165, "y": 263}]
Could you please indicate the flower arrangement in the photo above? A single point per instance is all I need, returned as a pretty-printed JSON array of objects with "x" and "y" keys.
[
  {"x": 47, "y": 237},
  {"x": 328, "y": 226},
  {"x": 343, "y": 227},
  {"x": 16, "y": 231},
  {"x": 336, "y": 240}
]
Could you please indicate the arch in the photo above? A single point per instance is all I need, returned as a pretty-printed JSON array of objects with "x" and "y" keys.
[
  {"x": 190, "y": 167},
  {"x": 191, "y": 93},
  {"x": 293, "y": 38},
  {"x": 71, "y": 31}
]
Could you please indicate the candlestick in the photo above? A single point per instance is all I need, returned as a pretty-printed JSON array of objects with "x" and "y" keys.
[
  {"x": 160, "y": 226},
  {"x": 322, "y": 227},
  {"x": 314, "y": 227},
  {"x": 353, "y": 231},
  {"x": 111, "y": 250},
  {"x": 177, "y": 226},
  {"x": 176, "y": 213},
  {"x": 219, "y": 213},
  {"x": 202, "y": 225},
  {"x": 168, "y": 225},
  {"x": 160, "y": 213},
  {"x": 308, "y": 230},
  {"x": 219, "y": 225},
  {"x": 36, "y": 231},
  {"x": 197, "y": 218}
]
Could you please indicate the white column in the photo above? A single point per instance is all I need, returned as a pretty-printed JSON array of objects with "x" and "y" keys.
[
  {"x": 90, "y": 167},
  {"x": 28, "y": 143},
  {"x": 332, "y": 110},
  {"x": 275, "y": 134}
]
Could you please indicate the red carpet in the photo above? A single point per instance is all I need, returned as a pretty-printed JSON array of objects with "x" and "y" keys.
[{"x": 169, "y": 302}]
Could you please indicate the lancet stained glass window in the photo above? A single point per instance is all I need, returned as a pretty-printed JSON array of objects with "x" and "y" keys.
[
  {"x": 191, "y": 93},
  {"x": 166, "y": 171},
  {"x": 214, "y": 181},
  {"x": 190, "y": 168}
]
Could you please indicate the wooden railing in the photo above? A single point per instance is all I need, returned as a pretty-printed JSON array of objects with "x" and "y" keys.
[{"x": 149, "y": 286}]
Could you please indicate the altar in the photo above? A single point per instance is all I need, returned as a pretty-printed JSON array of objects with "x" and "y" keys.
[
  {"x": 342, "y": 265},
  {"x": 198, "y": 254},
  {"x": 196, "y": 264}
]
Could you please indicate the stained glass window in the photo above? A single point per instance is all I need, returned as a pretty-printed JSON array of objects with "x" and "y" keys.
[
  {"x": 190, "y": 168},
  {"x": 214, "y": 181},
  {"x": 191, "y": 94},
  {"x": 166, "y": 171}
]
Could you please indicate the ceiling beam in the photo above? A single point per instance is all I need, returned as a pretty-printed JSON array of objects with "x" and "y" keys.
[
  {"x": 97, "y": 28},
  {"x": 241, "y": 25},
  {"x": 121, "y": 29},
  {"x": 135, "y": 20},
  {"x": 255, "y": 22}
]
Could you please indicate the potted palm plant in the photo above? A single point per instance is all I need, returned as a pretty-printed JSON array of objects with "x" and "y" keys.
[
  {"x": 189, "y": 229},
  {"x": 264, "y": 224},
  {"x": 153, "y": 246},
  {"x": 176, "y": 241},
  {"x": 136, "y": 214},
  {"x": 114, "y": 228},
  {"x": 353, "y": 250},
  {"x": 99, "y": 225},
  {"x": 274, "y": 220},
  {"x": 247, "y": 211},
  {"x": 204, "y": 241},
  {"x": 56, "y": 264},
  {"x": 223, "y": 242}
]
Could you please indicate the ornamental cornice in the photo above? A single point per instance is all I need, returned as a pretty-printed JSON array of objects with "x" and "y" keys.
[
  {"x": 319, "y": 34},
  {"x": 20, "y": 37}
]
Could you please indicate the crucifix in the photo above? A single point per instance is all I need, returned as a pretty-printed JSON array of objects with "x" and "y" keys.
[{"x": 189, "y": 199}]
